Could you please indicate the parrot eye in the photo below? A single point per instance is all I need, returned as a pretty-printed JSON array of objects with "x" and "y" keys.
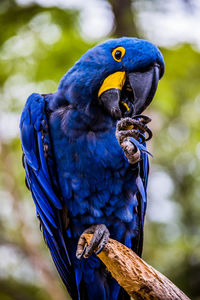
[{"x": 118, "y": 53}]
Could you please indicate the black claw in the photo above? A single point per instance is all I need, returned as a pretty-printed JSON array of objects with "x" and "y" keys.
[
  {"x": 143, "y": 118},
  {"x": 142, "y": 121},
  {"x": 80, "y": 255},
  {"x": 102, "y": 243},
  {"x": 139, "y": 127},
  {"x": 100, "y": 249},
  {"x": 150, "y": 134}
]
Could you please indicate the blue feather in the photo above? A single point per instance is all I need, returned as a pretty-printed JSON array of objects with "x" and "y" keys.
[{"x": 141, "y": 147}]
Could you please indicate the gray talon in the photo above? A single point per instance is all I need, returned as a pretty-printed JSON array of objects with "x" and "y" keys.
[
  {"x": 80, "y": 254},
  {"x": 102, "y": 243},
  {"x": 132, "y": 127},
  {"x": 97, "y": 243}
]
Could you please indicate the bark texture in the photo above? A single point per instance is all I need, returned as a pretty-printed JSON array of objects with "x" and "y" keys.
[{"x": 140, "y": 280}]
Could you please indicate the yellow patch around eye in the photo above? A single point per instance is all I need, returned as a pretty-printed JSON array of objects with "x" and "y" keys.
[{"x": 116, "y": 53}]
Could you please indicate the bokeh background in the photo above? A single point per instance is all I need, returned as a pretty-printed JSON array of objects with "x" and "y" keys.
[{"x": 39, "y": 41}]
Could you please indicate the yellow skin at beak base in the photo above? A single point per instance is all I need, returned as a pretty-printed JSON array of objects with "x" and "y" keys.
[{"x": 113, "y": 81}]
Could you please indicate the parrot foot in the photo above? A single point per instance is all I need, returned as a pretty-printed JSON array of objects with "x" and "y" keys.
[
  {"x": 132, "y": 127},
  {"x": 97, "y": 243}
]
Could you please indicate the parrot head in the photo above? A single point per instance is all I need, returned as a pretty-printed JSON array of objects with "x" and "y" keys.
[{"x": 120, "y": 74}]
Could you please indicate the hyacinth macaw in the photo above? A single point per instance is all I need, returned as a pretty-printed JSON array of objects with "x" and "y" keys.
[{"x": 86, "y": 163}]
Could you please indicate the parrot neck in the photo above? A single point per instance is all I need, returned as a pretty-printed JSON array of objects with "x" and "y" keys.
[
  {"x": 91, "y": 116},
  {"x": 95, "y": 117}
]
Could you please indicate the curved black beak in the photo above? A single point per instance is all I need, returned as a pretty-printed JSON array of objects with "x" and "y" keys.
[
  {"x": 136, "y": 94},
  {"x": 110, "y": 100},
  {"x": 144, "y": 86}
]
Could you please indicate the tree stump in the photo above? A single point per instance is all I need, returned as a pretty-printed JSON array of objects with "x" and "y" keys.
[{"x": 140, "y": 280}]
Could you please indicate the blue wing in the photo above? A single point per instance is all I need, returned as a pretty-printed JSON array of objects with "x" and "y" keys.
[
  {"x": 141, "y": 181},
  {"x": 41, "y": 180}
]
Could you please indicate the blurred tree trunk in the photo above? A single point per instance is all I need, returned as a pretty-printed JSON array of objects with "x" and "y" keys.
[{"x": 125, "y": 23}]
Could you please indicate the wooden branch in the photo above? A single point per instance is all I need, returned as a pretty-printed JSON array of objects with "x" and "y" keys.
[{"x": 140, "y": 280}]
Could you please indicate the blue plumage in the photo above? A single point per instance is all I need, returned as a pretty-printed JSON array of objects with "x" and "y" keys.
[{"x": 74, "y": 163}]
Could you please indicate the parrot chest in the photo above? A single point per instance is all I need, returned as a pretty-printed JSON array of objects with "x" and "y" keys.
[{"x": 95, "y": 178}]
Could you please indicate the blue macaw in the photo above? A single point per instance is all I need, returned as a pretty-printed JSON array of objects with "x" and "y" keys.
[{"x": 86, "y": 163}]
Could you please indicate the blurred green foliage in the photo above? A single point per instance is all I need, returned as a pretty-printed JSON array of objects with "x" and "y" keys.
[
  {"x": 18, "y": 290},
  {"x": 174, "y": 246},
  {"x": 37, "y": 46}
]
